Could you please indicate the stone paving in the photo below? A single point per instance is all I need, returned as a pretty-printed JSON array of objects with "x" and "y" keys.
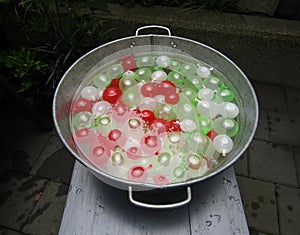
[
  {"x": 36, "y": 170},
  {"x": 35, "y": 173},
  {"x": 269, "y": 172}
]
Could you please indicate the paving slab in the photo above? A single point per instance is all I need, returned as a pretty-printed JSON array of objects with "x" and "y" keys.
[
  {"x": 259, "y": 204},
  {"x": 262, "y": 131},
  {"x": 270, "y": 97},
  {"x": 47, "y": 214},
  {"x": 272, "y": 162},
  {"x": 54, "y": 132},
  {"x": 254, "y": 232},
  {"x": 288, "y": 199},
  {"x": 18, "y": 194},
  {"x": 293, "y": 100},
  {"x": 22, "y": 142},
  {"x": 4, "y": 231},
  {"x": 258, "y": 7},
  {"x": 284, "y": 128},
  {"x": 55, "y": 162},
  {"x": 297, "y": 163},
  {"x": 13, "y": 117},
  {"x": 21, "y": 149},
  {"x": 241, "y": 165}
]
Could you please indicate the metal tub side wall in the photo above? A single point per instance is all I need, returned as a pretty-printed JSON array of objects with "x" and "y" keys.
[{"x": 74, "y": 76}]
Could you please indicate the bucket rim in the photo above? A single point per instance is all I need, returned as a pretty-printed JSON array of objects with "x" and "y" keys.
[{"x": 149, "y": 186}]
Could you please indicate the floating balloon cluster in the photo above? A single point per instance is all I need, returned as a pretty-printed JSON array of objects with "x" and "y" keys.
[{"x": 155, "y": 119}]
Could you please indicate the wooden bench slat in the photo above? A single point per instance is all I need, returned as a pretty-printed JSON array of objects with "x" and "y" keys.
[
  {"x": 92, "y": 207},
  {"x": 216, "y": 207}
]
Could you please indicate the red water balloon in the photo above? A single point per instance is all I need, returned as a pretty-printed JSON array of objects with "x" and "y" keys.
[
  {"x": 117, "y": 136},
  {"x": 159, "y": 126},
  {"x": 82, "y": 132},
  {"x": 147, "y": 115},
  {"x": 151, "y": 141},
  {"x": 212, "y": 134},
  {"x": 128, "y": 63},
  {"x": 138, "y": 173},
  {"x": 172, "y": 98},
  {"x": 149, "y": 89},
  {"x": 173, "y": 125},
  {"x": 134, "y": 152},
  {"x": 150, "y": 144},
  {"x": 84, "y": 136},
  {"x": 98, "y": 154},
  {"x": 114, "y": 82},
  {"x": 114, "y": 134},
  {"x": 166, "y": 88},
  {"x": 98, "y": 151},
  {"x": 112, "y": 94},
  {"x": 82, "y": 105},
  {"x": 161, "y": 179}
]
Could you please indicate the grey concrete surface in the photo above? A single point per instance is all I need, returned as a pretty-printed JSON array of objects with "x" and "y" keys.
[
  {"x": 271, "y": 98},
  {"x": 47, "y": 214},
  {"x": 283, "y": 128},
  {"x": 262, "y": 131},
  {"x": 272, "y": 162},
  {"x": 260, "y": 204},
  {"x": 289, "y": 209},
  {"x": 241, "y": 165},
  {"x": 54, "y": 155},
  {"x": 297, "y": 162},
  {"x": 18, "y": 197},
  {"x": 293, "y": 100},
  {"x": 264, "y": 7},
  {"x": 4, "y": 231}
]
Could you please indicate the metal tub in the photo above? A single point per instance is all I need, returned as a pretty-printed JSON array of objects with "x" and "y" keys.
[{"x": 70, "y": 82}]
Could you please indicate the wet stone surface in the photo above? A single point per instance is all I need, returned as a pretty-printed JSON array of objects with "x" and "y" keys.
[
  {"x": 18, "y": 194},
  {"x": 293, "y": 100},
  {"x": 254, "y": 232},
  {"x": 241, "y": 165},
  {"x": 272, "y": 162},
  {"x": 262, "y": 131},
  {"x": 270, "y": 97},
  {"x": 22, "y": 150},
  {"x": 23, "y": 140},
  {"x": 289, "y": 209},
  {"x": 4, "y": 231},
  {"x": 283, "y": 128},
  {"x": 20, "y": 161},
  {"x": 54, "y": 156},
  {"x": 259, "y": 204},
  {"x": 297, "y": 162},
  {"x": 47, "y": 214}
]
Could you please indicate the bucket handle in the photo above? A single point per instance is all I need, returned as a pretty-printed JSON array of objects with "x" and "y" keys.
[
  {"x": 152, "y": 26},
  {"x": 160, "y": 206}
]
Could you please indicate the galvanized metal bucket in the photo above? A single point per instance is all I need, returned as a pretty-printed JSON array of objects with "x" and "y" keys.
[{"x": 72, "y": 79}]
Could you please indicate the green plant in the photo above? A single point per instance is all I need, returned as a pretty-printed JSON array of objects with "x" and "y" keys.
[
  {"x": 58, "y": 31},
  {"x": 24, "y": 68}
]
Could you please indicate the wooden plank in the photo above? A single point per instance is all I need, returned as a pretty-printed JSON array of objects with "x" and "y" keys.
[
  {"x": 217, "y": 207},
  {"x": 93, "y": 207}
]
